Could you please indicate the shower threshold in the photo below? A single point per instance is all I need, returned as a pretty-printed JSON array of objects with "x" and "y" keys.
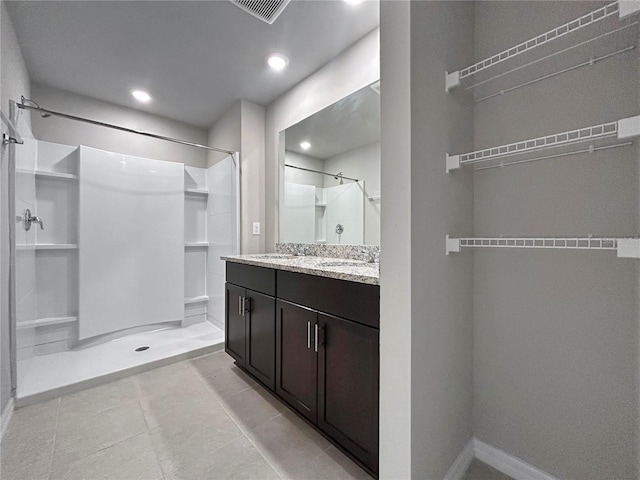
[{"x": 50, "y": 376}]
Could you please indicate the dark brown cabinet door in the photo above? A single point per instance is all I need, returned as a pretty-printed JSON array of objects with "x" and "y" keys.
[
  {"x": 296, "y": 358},
  {"x": 348, "y": 382},
  {"x": 261, "y": 337},
  {"x": 235, "y": 329}
]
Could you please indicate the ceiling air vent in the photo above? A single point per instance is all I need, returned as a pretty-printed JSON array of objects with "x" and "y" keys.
[{"x": 265, "y": 10}]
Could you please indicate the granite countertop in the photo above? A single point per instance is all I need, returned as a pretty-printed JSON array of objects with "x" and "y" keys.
[{"x": 340, "y": 268}]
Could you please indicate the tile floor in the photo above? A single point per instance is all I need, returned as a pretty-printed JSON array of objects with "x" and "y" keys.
[{"x": 197, "y": 419}]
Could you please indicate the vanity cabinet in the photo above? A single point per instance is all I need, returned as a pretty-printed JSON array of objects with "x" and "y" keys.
[
  {"x": 296, "y": 357},
  {"x": 250, "y": 320},
  {"x": 324, "y": 335}
]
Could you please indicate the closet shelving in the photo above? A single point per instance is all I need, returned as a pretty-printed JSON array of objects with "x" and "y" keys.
[
  {"x": 619, "y": 9},
  {"x": 624, "y": 247},
  {"x": 599, "y": 137},
  {"x": 625, "y": 128}
]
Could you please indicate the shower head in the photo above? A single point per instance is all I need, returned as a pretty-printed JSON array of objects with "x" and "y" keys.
[{"x": 45, "y": 115}]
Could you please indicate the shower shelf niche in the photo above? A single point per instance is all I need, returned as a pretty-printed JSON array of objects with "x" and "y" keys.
[
  {"x": 198, "y": 299},
  {"x": 196, "y": 245},
  {"x": 47, "y": 246},
  {"x": 45, "y": 174},
  {"x": 196, "y": 191},
  {"x": 43, "y": 322}
]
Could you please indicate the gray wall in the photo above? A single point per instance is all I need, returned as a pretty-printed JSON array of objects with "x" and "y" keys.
[
  {"x": 242, "y": 129},
  {"x": 76, "y": 133},
  {"x": 556, "y": 332},
  {"x": 14, "y": 81},
  {"x": 395, "y": 242},
  {"x": 441, "y": 286}
]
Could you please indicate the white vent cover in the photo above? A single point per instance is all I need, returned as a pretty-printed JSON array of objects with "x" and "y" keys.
[{"x": 265, "y": 10}]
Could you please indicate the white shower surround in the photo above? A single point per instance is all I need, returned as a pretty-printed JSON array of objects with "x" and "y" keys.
[
  {"x": 48, "y": 278},
  {"x": 131, "y": 242}
]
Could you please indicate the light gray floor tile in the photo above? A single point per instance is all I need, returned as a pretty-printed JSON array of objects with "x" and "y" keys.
[
  {"x": 28, "y": 460},
  {"x": 481, "y": 471},
  {"x": 235, "y": 461},
  {"x": 178, "y": 377},
  {"x": 78, "y": 436},
  {"x": 189, "y": 441},
  {"x": 131, "y": 459},
  {"x": 27, "y": 447},
  {"x": 252, "y": 407},
  {"x": 208, "y": 364},
  {"x": 288, "y": 444},
  {"x": 225, "y": 383},
  {"x": 94, "y": 400}
]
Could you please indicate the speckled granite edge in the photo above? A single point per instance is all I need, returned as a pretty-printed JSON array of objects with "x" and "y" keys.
[
  {"x": 362, "y": 272},
  {"x": 365, "y": 253}
]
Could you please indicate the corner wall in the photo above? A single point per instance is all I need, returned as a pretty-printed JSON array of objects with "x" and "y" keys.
[
  {"x": 441, "y": 285},
  {"x": 241, "y": 129}
]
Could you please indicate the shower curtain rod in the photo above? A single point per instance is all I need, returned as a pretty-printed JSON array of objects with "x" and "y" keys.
[
  {"x": 46, "y": 113},
  {"x": 334, "y": 175}
]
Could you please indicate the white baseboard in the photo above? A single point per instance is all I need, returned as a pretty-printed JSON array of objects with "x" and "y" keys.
[
  {"x": 461, "y": 464},
  {"x": 508, "y": 464},
  {"x": 6, "y": 417}
]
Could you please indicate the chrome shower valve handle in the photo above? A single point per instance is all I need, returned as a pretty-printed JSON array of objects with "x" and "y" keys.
[{"x": 27, "y": 220}]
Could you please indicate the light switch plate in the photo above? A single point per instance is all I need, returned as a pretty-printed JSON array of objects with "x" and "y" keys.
[{"x": 256, "y": 228}]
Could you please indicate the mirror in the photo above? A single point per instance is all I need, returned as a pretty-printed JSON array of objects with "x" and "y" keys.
[{"x": 331, "y": 164}]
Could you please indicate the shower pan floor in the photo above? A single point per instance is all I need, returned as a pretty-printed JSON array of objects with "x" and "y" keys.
[{"x": 49, "y": 376}]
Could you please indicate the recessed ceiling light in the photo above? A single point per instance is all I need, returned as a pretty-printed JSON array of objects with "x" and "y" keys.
[
  {"x": 305, "y": 145},
  {"x": 277, "y": 61},
  {"x": 353, "y": 2},
  {"x": 141, "y": 96}
]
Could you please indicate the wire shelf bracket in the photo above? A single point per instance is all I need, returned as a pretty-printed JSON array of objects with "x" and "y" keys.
[
  {"x": 623, "y": 8},
  {"x": 624, "y": 247},
  {"x": 622, "y": 129}
]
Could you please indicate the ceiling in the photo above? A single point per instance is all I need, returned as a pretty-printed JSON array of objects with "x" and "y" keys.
[
  {"x": 194, "y": 57},
  {"x": 349, "y": 123}
]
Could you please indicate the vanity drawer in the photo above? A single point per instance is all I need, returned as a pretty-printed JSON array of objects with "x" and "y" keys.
[
  {"x": 359, "y": 302},
  {"x": 258, "y": 279}
]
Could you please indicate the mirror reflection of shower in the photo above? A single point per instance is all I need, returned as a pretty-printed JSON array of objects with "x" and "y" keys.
[{"x": 330, "y": 163}]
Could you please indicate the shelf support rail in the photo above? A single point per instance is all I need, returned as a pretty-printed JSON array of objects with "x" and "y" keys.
[
  {"x": 622, "y": 8},
  {"x": 624, "y": 247},
  {"x": 624, "y": 128}
]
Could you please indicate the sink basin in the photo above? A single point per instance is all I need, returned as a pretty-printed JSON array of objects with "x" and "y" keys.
[{"x": 345, "y": 263}]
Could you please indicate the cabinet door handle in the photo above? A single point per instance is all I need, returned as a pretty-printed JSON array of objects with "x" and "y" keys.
[
  {"x": 240, "y": 312},
  {"x": 309, "y": 335},
  {"x": 316, "y": 335}
]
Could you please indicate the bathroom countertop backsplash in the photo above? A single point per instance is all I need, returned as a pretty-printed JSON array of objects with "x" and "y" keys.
[{"x": 356, "y": 263}]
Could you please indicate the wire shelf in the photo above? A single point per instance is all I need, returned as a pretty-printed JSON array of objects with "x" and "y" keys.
[
  {"x": 621, "y": 129},
  {"x": 625, "y": 247},
  {"x": 453, "y": 79}
]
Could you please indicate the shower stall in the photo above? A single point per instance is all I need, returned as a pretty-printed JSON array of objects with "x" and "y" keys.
[{"x": 116, "y": 261}]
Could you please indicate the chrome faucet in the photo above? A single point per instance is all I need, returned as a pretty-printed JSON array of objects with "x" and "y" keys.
[{"x": 27, "y": 220}]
